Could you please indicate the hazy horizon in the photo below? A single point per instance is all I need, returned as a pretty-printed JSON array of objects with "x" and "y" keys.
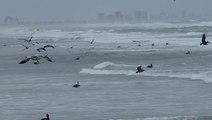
[{"x": 42, "y": 10}]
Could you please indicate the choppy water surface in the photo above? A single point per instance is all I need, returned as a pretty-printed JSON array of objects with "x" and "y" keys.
[{"x": 178, "y": 87}]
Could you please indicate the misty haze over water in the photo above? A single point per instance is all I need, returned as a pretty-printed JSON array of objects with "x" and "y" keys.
[
  {"x": 127, "y": 59},
  {"x": 106, "y": 10}
]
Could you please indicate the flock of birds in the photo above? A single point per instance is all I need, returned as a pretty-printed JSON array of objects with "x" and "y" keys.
[
  {"x": 204, "y": 42},
  {"x": 35, "y": 57}
]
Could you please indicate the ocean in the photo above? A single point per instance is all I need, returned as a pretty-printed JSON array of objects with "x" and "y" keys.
[{"x": 178, "y": 87}]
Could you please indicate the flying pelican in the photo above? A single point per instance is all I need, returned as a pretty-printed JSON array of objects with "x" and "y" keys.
[
  {"x": 91, "y": 42},
  {"x": 47, "y": 117},
  {"x": 139, "y": 69},
  {"x": 203, "y": 40},
  {"x": 26, "y": 47},
  {"x": 44, "y": 48},
  {"x": 27, "y": 40},
  {"x": 36, "y": 58},
  {"x": 39, "y": 49}
]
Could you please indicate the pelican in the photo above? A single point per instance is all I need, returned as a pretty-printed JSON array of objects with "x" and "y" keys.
[
  {"x": 27, "y": 40},
  {"x": 203, "y": 40},
  {"x": 39, "y": 49},
  {"x": 76, "y": 85},
  {"x": 150, "y": 66},
  {"x": 36, "y": 58},
  {"x": 47, "y": 117},
  {"x": 44, "y": 48},
  {"x": 139, "y": 69}
]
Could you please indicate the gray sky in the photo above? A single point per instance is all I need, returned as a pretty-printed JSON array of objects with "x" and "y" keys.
[{"x": 87, "y": 9}]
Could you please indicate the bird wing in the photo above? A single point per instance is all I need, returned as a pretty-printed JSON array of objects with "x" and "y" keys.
[
  {"x": 48, "y": 59},
  {"x": 24, "y": 61},
  {"x": 139, "y": 68},
  {"x": 45, "y": 46},
  {"x": 203, "y": 39}
]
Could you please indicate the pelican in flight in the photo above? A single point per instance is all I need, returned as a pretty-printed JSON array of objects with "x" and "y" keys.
[
  {"x": 203, "y": 40},
  {"x": 27, "y": 40},
  {"x": 36, "y": 58},
  {"x": 91, "y": 42},
  {"x": 44, "y": 48}
]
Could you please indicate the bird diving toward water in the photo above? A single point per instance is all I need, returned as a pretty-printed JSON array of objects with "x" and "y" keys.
[
  {"x": 36, "y": 58},
  {"x": 203, "y": 40}
]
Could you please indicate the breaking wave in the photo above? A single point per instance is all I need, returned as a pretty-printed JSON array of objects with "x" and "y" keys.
[{"x": 130, "y": 70}]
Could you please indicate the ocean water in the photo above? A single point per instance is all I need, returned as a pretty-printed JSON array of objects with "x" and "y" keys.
[{"x": 178, "y": 87}]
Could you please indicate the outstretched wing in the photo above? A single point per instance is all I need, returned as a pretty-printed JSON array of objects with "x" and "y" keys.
[
  {"x": 24, "y": 61},
  {"x": 203, "y": 38},
  {"x": 139, "y": 68},
  {"x": 45, "y": 46},
  {"x": 47, "y": 58}
]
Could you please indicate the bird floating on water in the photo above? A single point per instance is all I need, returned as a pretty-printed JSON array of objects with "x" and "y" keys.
[
  {"x": 47, "y": 117},
  {"x": 150, "y": 66},
  {"x": 76, "y": 85}
]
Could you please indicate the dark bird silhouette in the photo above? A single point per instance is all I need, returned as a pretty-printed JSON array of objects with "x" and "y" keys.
[
  {"x": 150, "y": 66},
  {"x": 39, "y": 49},
  {"x": 78, "y": 58},
  {"x": 187, "y": 53},
  {"x": 27, "y": 40},
  {"x": 167, "y": 43},
  {"x": 135, "y": 41},
  {"x": 76, "y": 85},
  {"x": 139, "y": 69},
  {"x": 26, "y": 47},
  {"x": 51, "y": 46},
  {"x": 36, "y": 58},
  {"x": 203, "y": 40},
  {"x": 174, "y": 0},
  {"x": 91, "y": 42},
  {"x": 44, "y": 48},
  {"x": 47, "y": 117},
  {"x": 153, "y": 44}
]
